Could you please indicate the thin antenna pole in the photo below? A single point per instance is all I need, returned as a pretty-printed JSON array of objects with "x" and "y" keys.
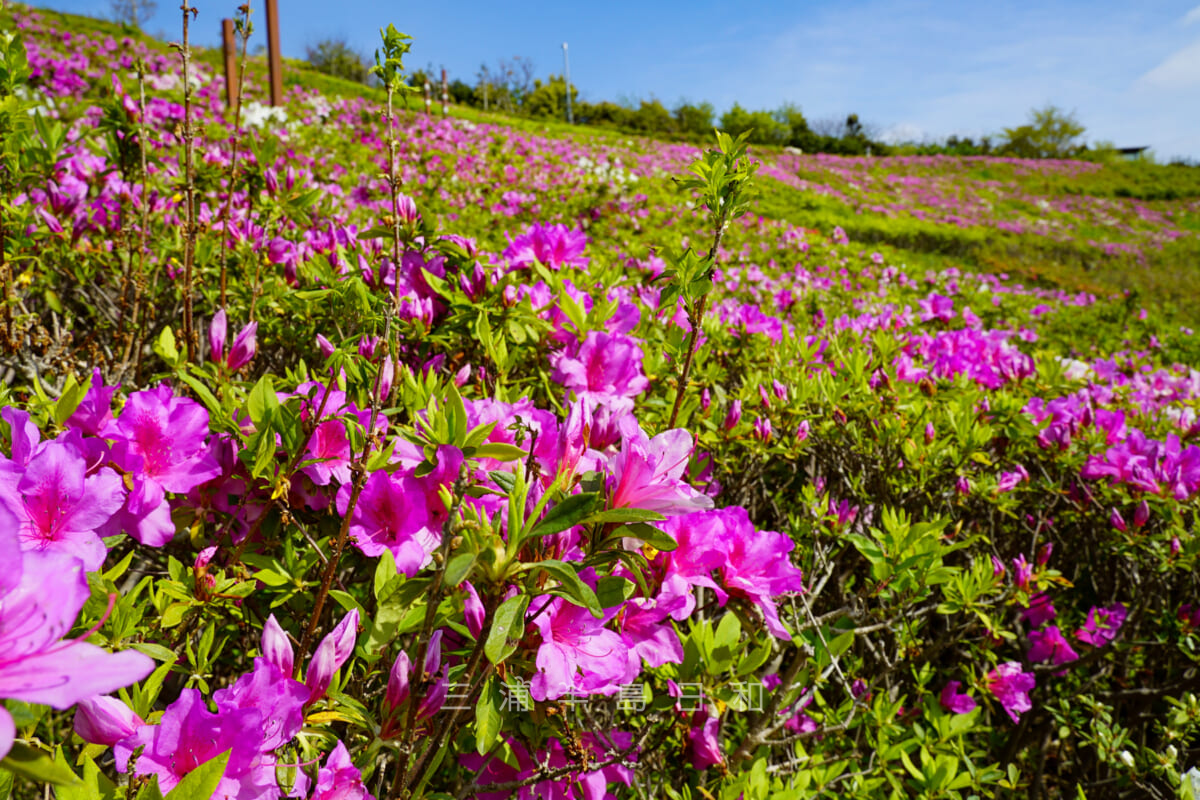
[{"x": 567, "y": 79}]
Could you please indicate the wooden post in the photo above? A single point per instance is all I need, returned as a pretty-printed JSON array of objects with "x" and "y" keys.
[
  {"x": 229, "y": 48},
  {"x": 445, "y": 95},
  {"x": 274, "y": 54}
]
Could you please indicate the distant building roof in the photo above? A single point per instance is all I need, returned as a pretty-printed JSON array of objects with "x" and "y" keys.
[{"x": 1132, "y": 151}]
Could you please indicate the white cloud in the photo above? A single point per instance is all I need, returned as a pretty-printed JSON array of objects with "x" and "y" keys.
[
  {"x": 1192, "y": 16},
  {"x": 1180, "y": 70},
  {"x": 904, "y": 132}
]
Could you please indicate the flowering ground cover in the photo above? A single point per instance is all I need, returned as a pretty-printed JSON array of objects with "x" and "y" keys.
[{"x": 348, "y": 452}]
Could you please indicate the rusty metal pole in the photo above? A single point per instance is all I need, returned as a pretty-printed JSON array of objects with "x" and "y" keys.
[
  {"x": 445, "y": 95},
  {"x": 229, "y": 49},
  {"x": 274, "y": 54}
]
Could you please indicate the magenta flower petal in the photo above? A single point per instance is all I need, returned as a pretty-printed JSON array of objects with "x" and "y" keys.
[
  {"x": 8, "y": 732},
  {"x": 955, "y": 702},
  {"x": 245, "y": 345},
  {"x": 105, "y": 720},
  {"x": 217, "y": 330},
  {"x": 276, "y": 647}
]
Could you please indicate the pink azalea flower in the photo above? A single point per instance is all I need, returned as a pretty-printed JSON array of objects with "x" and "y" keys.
[
  {"x": 59, "y": 507},
  {"x": 164, "y": 438},
  {"x": 1102, "y": 625},
  {"x": 391, "y": 514},
  {"x": 1011, "y": 686},
  {"x": 758, "y": 566},
  {"x": 1040, "y": 610},
  {"x": 339, "y": 779},
  {"x": 93, "y": 415},
  {"x": 1009, "y": 480},
  {"x": 649, "y": 474},
  {"x": 553, "y": 246},
  {"x": 40, "y": 598},
  {"x": 277, "y": 698},
  {"x": 954, "y": 701},
  {"x": 578, "y": 654},
  {"x": 189, "y": 735},
  {"x": 604, "y": 365},
  {"x": 648, "y": 635},
  {"x": 1049, "y": 644},
  {"x": 704, "y": 740}
]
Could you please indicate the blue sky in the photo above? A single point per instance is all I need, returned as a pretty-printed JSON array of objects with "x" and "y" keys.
[{"x": 914, "y": 68}]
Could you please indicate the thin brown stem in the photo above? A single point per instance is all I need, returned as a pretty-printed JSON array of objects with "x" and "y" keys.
[
  {"x": 233, "y": 156},
  {"x": 189, "y": 186}
]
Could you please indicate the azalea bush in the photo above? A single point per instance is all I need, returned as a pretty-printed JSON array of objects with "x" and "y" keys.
[{"x": 349, "y": 453}]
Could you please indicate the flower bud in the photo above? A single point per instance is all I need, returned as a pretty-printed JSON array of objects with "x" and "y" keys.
[
  {"x": 331, "y": 653},
  {"x": 930, "y": 433},
  {"x": 387, "y": 373},
  {"x": 244, "y": 347},
  {"x": 1117, "y": 521},
  {"x": 397, "y": 688},
  {"x": 1141, "y": 514},
  {"x": 276, "y": 648},
  {"x": 802, "y": 431},
  {"x": 473, "y": 610},
  {"x": 705, "y": 399},
  {"x": 217, "y": 330},
  {"x": 105, "y": 720},
  {"x": 734, "y": 416}
]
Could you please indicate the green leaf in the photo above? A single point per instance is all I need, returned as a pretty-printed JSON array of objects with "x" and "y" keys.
[
  {"x": 95, "y": 786},
  {"x": 201, "y": 783},
  {"x": 655, "y": 537},
  {"x": 385, "y": 573},
  {"x": 487, "y": 716},
  {"x": 572, "y": 585},
  {"x": 72, "y": 396},
  {"x": 508, "y": 628},
  {"x": 165, "y": 348},
  {"x": 621, "y": 515},
  {"x": 458, "y": 568},
  {"x": 505, "y": 480},
  {"x": 209, "y": 400},
  {"x": 37, "y": 765},
  {"x": 612, "y": 590},
  {"x": 568, "y": 513},
  {"x": 499, "y": 451},
  {"x": 262, "y": 403}
]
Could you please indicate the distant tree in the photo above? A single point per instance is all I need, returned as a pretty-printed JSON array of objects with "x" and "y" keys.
[
  {"x": 463, "y": 94},
  {"x": 653, "y": 117},
  {"x": 764, "y": 128},
  {"x": 1050, "y": 133},
  {"x": 694, "y": 119},
  {"x": 335, "y": 56},
  {"x": 133, "y": 12},
  {"x": 604, "y": 114},
  {"x": 549, "y": 99},
  {"x": 790, "y": 117}
]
